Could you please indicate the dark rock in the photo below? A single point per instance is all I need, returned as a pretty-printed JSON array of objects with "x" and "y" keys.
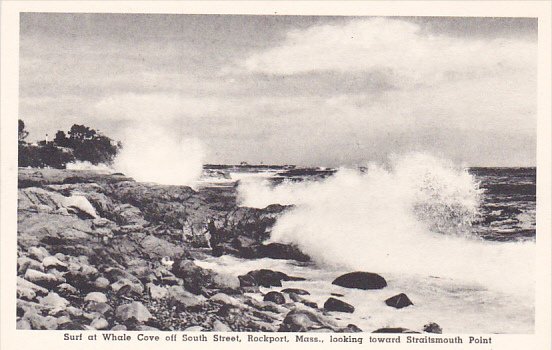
[
  {"x": 197, "y": 279},
  {"x": 304, "y": 321},
  {"x": 361, "y": 280},
  {"x": 283, "y": 251},
  {"x": 433, "y": 327},
  {"x": 265, "y": 278},
  {"x": 394, "y": 330},
  {"x": 399, "y": 301},
  {"x": 72, "y": 326},
  {"x": 337, "y": 294},
  {"x": 352, "y": 328},
  {"x": 295, "y": 291},
  {"x": 275, "y": 297},
  {"x": 333, "y": 304}
]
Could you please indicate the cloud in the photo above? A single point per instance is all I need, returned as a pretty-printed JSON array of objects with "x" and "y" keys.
[{"x": 397, "y": 47}]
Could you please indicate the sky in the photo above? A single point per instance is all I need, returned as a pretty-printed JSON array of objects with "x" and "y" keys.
[{"x": 306, "y": 90}]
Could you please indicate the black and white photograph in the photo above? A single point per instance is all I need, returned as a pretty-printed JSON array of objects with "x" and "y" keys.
[{"x": 277, "y": 173}]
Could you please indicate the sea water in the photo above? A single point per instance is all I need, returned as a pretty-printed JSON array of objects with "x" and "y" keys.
[{"x": 459, "y": 242}]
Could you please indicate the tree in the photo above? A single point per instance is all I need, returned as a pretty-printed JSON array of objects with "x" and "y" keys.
[
  {"x": 88, "y": 144},
  {"x": 60, "y": 139},
  {"x": 22, "y": 135}
]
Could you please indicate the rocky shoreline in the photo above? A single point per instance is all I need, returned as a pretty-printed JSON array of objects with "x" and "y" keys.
[{"x": 104, "y": 252}]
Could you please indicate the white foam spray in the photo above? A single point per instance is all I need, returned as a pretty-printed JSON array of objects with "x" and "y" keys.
[
  {"x": 150, "y": 154},
  {"x": 410, "y": 217}
]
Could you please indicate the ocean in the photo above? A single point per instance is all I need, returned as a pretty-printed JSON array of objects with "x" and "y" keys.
[{"x": 460, "y": 242}]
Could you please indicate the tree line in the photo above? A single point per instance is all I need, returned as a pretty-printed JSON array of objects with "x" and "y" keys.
[{"x": 80, "y": 143}]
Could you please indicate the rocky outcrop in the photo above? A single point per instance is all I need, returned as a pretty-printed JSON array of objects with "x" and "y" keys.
[
  {"x": 265, "y": 278},
  {"x": 333, "y": 304},
  {"x": 361, "y": 280},
  {"x": 399, "y": 301}
]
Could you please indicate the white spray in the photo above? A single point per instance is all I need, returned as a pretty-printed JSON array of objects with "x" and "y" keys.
[
  {"x": 412, "y": 217},
  {"x": 151, "y": 155}
]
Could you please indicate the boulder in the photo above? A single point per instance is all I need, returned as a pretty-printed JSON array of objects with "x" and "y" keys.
[
  {"x": 182, "y": 299},
  {"x": 394, "y": 330},
  {"x": 99, "y": 308},
  {"x": 265, "y": 278},
  {"x": 38, "y": 253},
  {"x": 156, "y": 247},
  {"x": 25, "y": 263},
  {"x": 157, "y": 292},
  {"x": 283, "y": 251},
  {"x": 53, "y": 303},
  {"x": 361, "y": 280},
  {"x": 135, "y": 310},
  {"x": 99, "y": 323},
  {"x": 299, "y": 320},
  {"x": 46, "y": 280},
  {"x": 53, "y": 262},
  {"x": 79, "y": 205},
  {"x": 101, "y": 283},
  {"x": 295, "y": 291},
  {"x": 96, "y": 297},
  {"x": 275, "y": 297},
  {"x": 433, "y": 327},
  {"x": 218, "y": 326},
  {"x": 224, "y": 299},
  {"x": 197, "y": 279},
  {"x": 333, "y": 304},
  {"x": 399, "y": 301}
]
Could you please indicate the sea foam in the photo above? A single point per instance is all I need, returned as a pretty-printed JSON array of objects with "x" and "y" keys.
[{"x": 411, "y": 216}]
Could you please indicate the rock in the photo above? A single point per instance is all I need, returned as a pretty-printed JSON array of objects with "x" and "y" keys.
[
  {"x": 224, "y": 299},
  {"x": 182, "y": 299},
  {"x": 394, "y": 330},
  {"x": 275, "y": 297},
  {"x": 28, "y": 290},
  {"x": 433, "y": 327},
  {"x": 73, "y": 311},
  {"x": 38, "y": 253},
  {"x": 47, "y": 280},
  {"x": 62, "y": 320},
  {"x": 133, "y": 287},
  {"x": 96, "y": 297},
  {"x": 80, "y": 206},
  {"x": 295, "y": 291},
  {"x": 218, "y": 326},
  {"x": 361, "y": 280},
  {"x": 333, "y": 304},
  {"x": 352, "y": 328},
  {"x": 135, "y": 310},
  {"x": 100, "y": 308},
  {"x": 53, "y": 302},
  {"x": 283, "y": 251},
  {"x": 25, "y": 263},
  {"x": 196, "y": 278},
  {"x": 40, "y": 322},
  {"x": 119, "y": 327},
  {"x": 23, "y": 324},
  {"x": 193, "y": 329},
  {"x": 142, "y": 327},
  {"x": 73, "y": 326},
  {"x": 157, "y": 292},
  {"x": 304, "y": 321},
  {"x": 101, "y": 283},
  {"x": 157, "y": 247},
  {"x": 53, "y": 262},
  {"x": 66, "y": 290},
  {"x": 99, "y": 323},
  {"x": 265, "y": 278},
  {"x": 399, "y": 301}
]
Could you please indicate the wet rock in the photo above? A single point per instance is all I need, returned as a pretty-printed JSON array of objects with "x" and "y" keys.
[
  {"x": 265, "y": 278},
  {"x": 394, "y": 330},
  {"x": 304, "y": 321},
  {"x": 333, "y": 304},
  {"x": 361, "y": 280},
  {"x": 135, "y": 310},
  {"x": 47, "y": 280},
  {"x": 275, "y": 297},
  {"x": 96, "y": 297},
  {"x": 433, "y": 327},
  {"x": 399, "y": 301},
  {"x": 295, "y": 291},
  {"x": 283, "y": 251}
]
